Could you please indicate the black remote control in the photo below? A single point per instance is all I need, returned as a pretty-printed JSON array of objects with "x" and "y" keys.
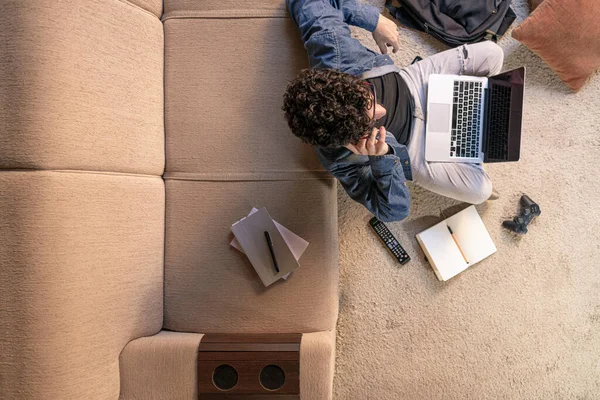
[{"x": 389, "y": 240}]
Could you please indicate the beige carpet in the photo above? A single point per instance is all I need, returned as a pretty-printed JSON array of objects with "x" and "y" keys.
[{"x": 523, "y": 324}]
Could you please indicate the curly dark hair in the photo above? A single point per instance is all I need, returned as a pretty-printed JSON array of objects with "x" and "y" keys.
[{"x": 327, "y": 108}]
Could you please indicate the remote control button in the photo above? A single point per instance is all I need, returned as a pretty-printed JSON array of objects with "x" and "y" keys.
[{"x": 389, "y": 240}]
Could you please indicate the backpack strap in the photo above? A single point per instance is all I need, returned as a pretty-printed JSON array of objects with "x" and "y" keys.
[
  {"x": 403, "y": 17},
  {"x": 509, "y": 18},
  {"x": 489, "y": 35}
]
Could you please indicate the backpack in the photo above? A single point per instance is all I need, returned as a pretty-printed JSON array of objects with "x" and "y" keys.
[{"x": 456, "y": 22}]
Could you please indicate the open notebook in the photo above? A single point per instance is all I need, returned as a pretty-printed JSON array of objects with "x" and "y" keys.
[{"x": 441, "y": 249}]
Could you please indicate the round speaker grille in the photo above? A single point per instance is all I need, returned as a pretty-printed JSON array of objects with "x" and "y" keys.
[
  {"x": 225, "y": 377},
  {"x": 272, "y": 377}
]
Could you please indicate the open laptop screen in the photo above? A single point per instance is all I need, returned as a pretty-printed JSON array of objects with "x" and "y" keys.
[{"x": 502, "y": 140}]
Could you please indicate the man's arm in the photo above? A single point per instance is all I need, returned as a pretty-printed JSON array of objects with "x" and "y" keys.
[
  {"x": 385, "y": 31},
  {"x": 348, "y": 11},
  {"x": 325, "y": 33},
  {"x": 380, "y": 186},
  {"x": 358, "y": 14}
]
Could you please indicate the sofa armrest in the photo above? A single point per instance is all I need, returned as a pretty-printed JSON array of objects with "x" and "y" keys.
[
  {"x": 162, "y": 366},
  {"x": 165, "y": 366}
]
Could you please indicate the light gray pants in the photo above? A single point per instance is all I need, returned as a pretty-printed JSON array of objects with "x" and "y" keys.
[{"x": 461, "y": 181}]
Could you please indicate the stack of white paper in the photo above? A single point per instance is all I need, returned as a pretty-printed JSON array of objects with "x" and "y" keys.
[{"x": 296, "y": 244}]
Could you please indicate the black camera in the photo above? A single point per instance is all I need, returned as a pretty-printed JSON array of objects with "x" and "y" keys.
[{"x": 529, "y": 210}]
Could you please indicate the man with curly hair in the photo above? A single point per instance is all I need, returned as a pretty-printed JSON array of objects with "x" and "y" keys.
[{"x": 365, "y": 116}]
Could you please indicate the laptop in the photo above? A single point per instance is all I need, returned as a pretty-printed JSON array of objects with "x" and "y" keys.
[{"x": 473, "y": 119}]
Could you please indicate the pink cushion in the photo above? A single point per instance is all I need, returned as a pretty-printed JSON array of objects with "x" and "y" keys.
[{"x": 566, "y": 35}]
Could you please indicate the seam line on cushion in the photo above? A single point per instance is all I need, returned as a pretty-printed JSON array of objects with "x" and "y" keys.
[
  {"x": 76, "y": 171},
  {"x": 248, "y": 176},
  {"x": 226, "y": 14},
  {"x": 164, "y": 125},
  {"x": 139, "y": 8}
]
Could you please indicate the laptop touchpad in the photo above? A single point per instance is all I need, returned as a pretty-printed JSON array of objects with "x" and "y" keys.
[{"x": 439, "y": 117}]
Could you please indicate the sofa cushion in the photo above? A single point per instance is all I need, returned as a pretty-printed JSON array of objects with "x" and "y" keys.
[
  {"x": 566, "y": 35},
  {"x": 81, "y": 274},
  {"x": 210, "y": 287},
  {"x": 225, "y": 78},
  {"x": 153, "y": 6},
  {"x": 533, "y": 4},
  {"x": 81, "y": 87},
  {"x": 213, "y": 5}
]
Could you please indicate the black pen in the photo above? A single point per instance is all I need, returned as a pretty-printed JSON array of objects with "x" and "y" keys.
[
  {"x": 457, "y": 245},
  {"x": 270, "y": 243}
]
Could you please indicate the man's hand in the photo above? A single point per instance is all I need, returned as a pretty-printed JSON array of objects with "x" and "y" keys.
[
  {"x": 369, "y": 145},
  {"x": 386, "y": 34}
]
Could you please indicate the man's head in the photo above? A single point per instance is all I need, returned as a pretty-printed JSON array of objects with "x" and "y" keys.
[{"x": 328, "y": 108}]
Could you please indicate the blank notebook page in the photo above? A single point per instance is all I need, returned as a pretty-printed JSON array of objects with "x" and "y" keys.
[
  {"x": 444, "y": 255},
  {"x": 470, "y": 230}
]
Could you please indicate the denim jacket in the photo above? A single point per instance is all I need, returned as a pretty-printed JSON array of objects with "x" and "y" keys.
[{"x": 377, "y": 182}]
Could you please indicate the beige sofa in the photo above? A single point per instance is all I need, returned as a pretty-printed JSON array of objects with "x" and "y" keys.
[{"x": 132, "y": 134}]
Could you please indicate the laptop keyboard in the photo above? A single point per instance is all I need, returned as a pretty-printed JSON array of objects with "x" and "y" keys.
[
  {"x": 497, "y": 138},
  {"x": 466, "y": 117}
]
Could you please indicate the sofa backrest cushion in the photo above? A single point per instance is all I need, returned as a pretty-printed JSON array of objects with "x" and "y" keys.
[{"x": 81, "y": 87}]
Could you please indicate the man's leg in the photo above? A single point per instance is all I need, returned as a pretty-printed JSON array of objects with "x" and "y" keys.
[
  {"x": 480, "y": 59},
  {"x": 461, "y": 181}
]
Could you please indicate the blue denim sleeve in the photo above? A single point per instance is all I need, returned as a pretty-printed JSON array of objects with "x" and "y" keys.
[
  {"x": 327, "y": 37},
  {"x": 352, "y": 11},
  {"x": 358, "y": 14},
  {"x": 380, "y": 185}
]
